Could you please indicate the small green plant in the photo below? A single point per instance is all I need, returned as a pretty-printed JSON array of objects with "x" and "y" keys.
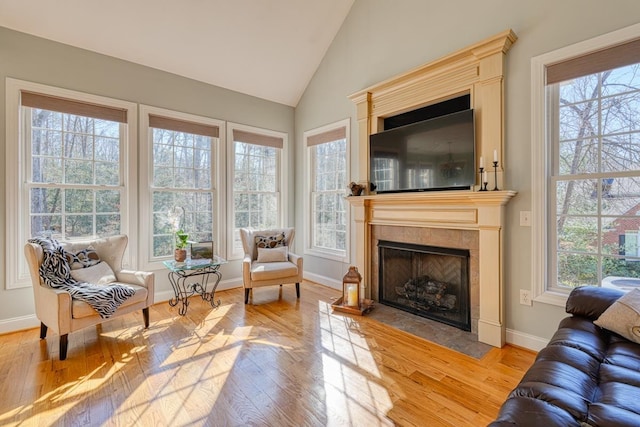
[{"x": 182, "y": 239}]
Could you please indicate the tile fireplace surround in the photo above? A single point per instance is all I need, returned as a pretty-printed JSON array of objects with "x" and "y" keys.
[{"x": 457, "y": 219}]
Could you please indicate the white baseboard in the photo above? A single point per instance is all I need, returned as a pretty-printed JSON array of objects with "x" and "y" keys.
[
  {"x": 323, "y": 280},
  {"x": 527, "y": 341},
  {"x": 19, "y": 323}
]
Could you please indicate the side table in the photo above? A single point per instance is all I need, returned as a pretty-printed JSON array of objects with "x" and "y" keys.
[{"x": 179, "y": 272}]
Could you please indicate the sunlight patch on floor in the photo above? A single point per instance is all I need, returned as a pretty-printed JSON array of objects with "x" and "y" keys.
[{"x": 349, "y": 369}]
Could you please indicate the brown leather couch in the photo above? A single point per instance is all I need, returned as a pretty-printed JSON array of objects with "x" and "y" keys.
[{"x": 585, "y": 376}]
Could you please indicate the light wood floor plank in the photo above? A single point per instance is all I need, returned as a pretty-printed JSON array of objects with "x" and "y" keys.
[{"x": 278, "y": 361}]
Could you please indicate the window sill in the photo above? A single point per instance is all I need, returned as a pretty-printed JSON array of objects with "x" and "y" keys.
[
  {"x": 553, "y": 298},
  {"x": 333, "y": 256}
]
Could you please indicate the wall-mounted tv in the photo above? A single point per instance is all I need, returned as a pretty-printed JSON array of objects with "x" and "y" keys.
[{"x": 434, "y": 154}]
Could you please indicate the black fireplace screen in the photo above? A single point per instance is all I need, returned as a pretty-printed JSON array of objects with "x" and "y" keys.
[{"x": 429, "y": 281}]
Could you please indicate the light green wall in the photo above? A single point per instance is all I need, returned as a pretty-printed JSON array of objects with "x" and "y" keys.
[
  {"x": 382, "y": 38},
  {"x": 34, "y": 59}
]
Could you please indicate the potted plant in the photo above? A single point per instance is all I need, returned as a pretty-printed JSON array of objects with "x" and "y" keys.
[{"x": 182, "y": 240}]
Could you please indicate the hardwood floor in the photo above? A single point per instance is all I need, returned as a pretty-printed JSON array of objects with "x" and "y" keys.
[{"x": 280, "y": 362}]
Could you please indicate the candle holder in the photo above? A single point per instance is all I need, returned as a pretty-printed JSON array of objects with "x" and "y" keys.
[
  {"x": 350, "y": 300},
  {"x": 482, "y": 187},
  {"x": 495, "y": 174}
]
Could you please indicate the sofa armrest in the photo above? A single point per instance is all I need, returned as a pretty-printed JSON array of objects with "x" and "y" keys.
[
  {"x": 146, "y": 279},
  {"x": 53, "y": 308},
  {"x": 591, "y": 301},
  {"x": 296, "y": 259},
  {"x": 140, "y": 278}
]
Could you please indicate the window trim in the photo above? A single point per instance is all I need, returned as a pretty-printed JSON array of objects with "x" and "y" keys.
[
  {"x": 281, "y": 181},
  {"x": 340, "y": 256},
  {"x": 146, "y": 178},
  {"x": 16, "y": 274},
  {"x": 540, "y": 168}
]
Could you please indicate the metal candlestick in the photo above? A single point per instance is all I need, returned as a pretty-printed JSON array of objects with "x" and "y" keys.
[
  {"x": 483, "y": 185},
  {"x": 495, "y": 173}
]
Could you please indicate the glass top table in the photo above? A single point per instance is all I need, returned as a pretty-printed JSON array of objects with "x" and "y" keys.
[{"x": 193, "y": 277}]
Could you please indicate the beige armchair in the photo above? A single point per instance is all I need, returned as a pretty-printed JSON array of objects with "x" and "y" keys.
[
  {"x": 263, "y": 267},
  {"x": 56, "y": 310}
]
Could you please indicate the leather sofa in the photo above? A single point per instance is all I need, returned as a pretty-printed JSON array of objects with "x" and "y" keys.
[{"x": 585, "y": 376}]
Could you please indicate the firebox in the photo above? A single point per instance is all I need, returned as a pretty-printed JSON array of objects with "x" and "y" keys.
[{"x": 429, "y": 281}]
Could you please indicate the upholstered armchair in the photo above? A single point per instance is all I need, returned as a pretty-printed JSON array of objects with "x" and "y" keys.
[
  {"x": 268, "y": 260},
  {"x": 57, "y": 310}
]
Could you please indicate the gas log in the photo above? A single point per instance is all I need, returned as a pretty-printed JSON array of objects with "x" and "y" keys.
[{"x": 424, "y": 293}]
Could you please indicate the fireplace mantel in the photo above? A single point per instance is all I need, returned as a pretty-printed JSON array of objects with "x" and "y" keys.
[
  {"x": 477, "y": 70},
  {"x": 481, "y": 211}
]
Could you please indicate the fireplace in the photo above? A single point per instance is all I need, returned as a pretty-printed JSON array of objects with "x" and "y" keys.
[
  {"x": 429, "y": 281},
  {"x": 433, "y": 218}
]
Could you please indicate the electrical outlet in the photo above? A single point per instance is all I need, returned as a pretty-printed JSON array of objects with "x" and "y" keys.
[
  {"x": 525, "y": 297},
  {"x": 525, "y": 218}
]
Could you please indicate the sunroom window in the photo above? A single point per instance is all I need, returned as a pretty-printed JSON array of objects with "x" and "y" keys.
[{"x": 592, "y": 187}]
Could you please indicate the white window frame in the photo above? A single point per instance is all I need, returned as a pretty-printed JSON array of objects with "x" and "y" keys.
[
  {"x": 17, "y": 215},
  {"x": 281, "y": 179},
  {"x": 309, "y": 249},
  {"x": 540, "y": 152},
  {"x": 218, "y": 181}
]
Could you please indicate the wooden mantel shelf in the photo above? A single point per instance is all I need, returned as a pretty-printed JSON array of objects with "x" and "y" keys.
[{"x": 441, "y": 197}]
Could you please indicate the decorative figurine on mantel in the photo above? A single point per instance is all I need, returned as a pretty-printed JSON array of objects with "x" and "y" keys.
[{"x": 356, "y": 189}]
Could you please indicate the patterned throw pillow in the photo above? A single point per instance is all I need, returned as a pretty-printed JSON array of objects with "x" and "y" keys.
[
  {"x": 99, "y": 274},
  {"x": 274, "y": 241},
  {"x": 83, "y": 259}
]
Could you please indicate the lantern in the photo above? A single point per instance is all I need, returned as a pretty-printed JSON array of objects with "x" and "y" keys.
[{"x": 351, "y": 288}]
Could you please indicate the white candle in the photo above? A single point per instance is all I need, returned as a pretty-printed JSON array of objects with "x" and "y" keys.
[
  {"x": 495, "y": 155},
  {"x": 352, "y": 296},
  {"x": 481, "y": 162},
  {"x": 484, "y": 177}
]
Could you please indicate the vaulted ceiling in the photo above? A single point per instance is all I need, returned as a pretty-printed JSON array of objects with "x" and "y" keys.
[{"x": 266, "y": 48}]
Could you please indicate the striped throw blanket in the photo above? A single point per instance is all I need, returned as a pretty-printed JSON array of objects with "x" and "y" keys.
[{"x": 55, "y": 272}]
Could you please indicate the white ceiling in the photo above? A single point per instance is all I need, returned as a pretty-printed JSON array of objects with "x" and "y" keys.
[{"x": 265, "y": 48}]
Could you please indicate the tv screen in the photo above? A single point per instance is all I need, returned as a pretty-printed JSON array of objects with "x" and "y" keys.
[{"x": 434, "y": 154}]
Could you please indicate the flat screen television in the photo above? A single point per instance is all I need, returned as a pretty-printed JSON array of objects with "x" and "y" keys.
[{"x": 434, "y": 154}]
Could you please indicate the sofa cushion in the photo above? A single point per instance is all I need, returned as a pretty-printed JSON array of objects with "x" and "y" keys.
[
  {"x": 623, "y": 316},
  {"x": 81, "y": 309},
  {"x": 530, "y": 412},
  {"x": 272, "y": 270},
  {"x": 99, "y": 274},
  {"x": 279, "y": 254}
]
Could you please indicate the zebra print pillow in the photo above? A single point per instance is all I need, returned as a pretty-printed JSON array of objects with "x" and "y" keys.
[{"x": 83, "y": 259}]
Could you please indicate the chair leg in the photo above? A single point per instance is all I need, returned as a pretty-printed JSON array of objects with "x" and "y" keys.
[
  {"x": 298, "y": 290},
  {"x": 145, "y": 316},
  {"x": 246, "y": 295},
  {"x": 43, "y": 330},
  {"x": 64, "y": 341}
]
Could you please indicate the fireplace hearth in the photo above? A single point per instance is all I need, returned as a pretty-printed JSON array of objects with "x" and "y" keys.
[{"x": 429, "y": 281}]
